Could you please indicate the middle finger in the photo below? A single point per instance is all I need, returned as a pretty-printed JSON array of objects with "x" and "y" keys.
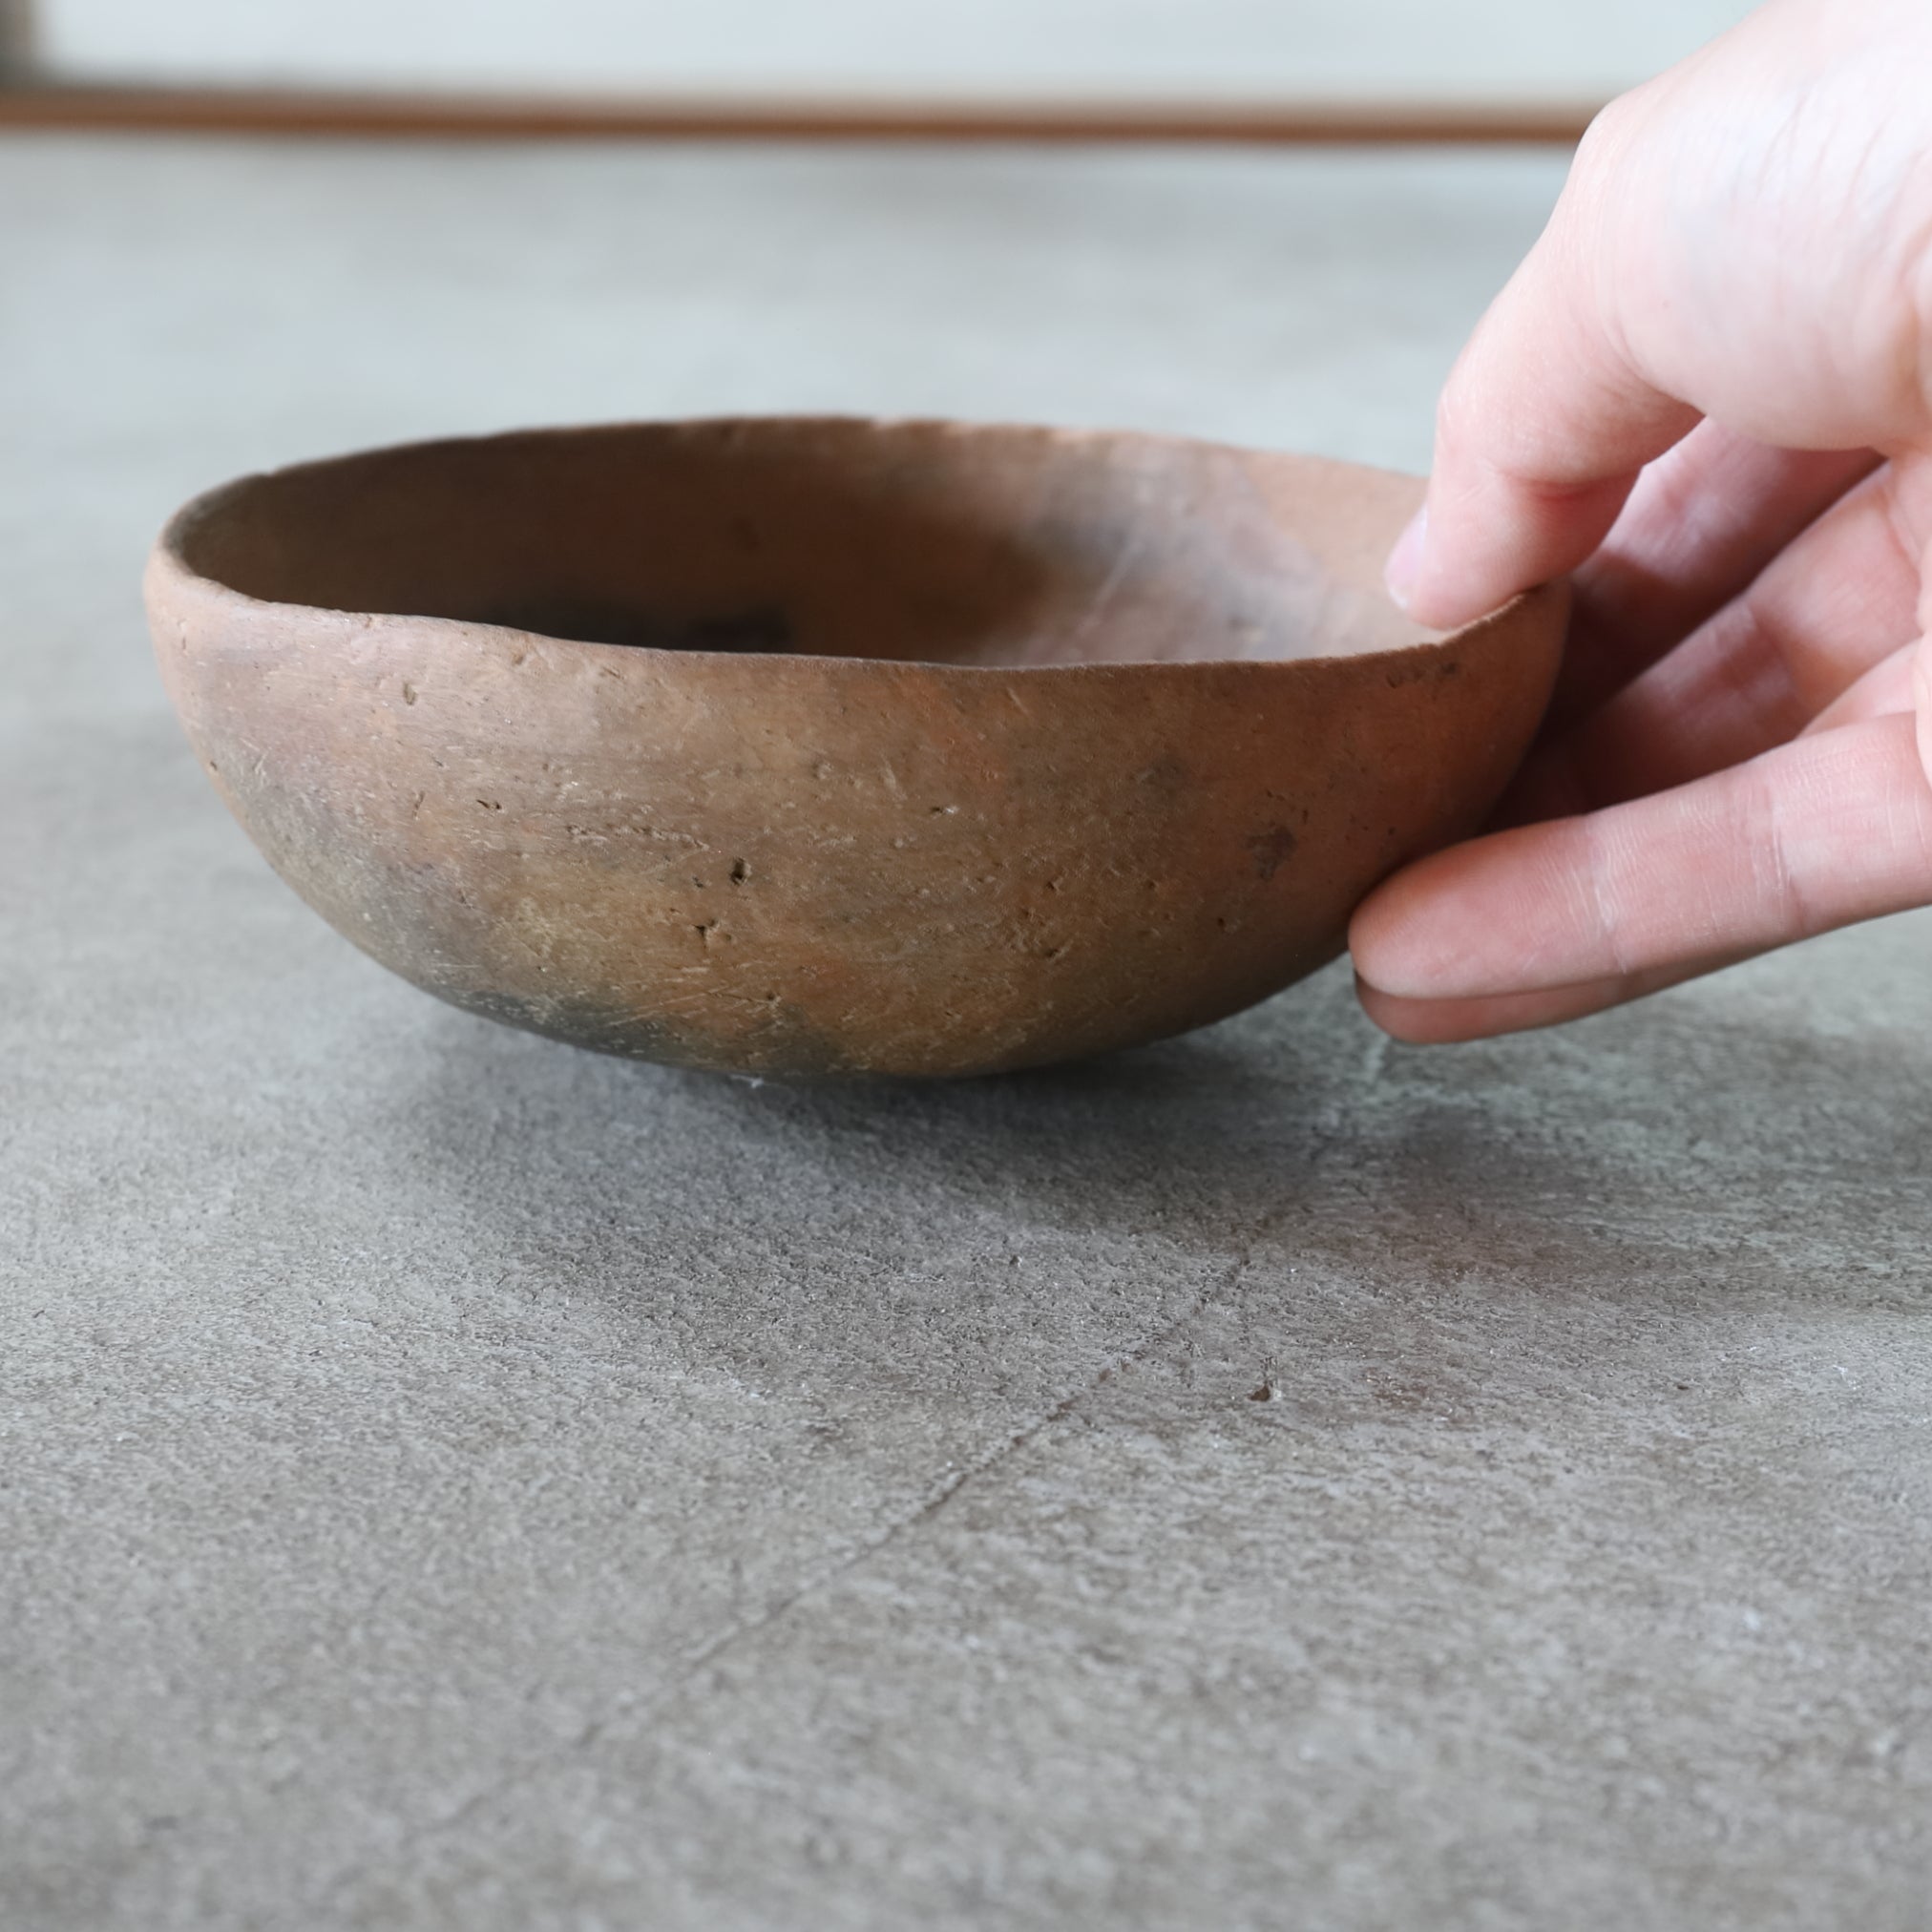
[
  {"x": 1839, "y": 601},
  {"x": 1701, "y": 524}
]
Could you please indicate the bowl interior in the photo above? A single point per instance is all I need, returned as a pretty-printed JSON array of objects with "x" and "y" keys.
[{"x": 908, "y": 541}]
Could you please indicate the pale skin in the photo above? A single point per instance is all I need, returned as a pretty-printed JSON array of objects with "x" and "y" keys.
[{"x": 1707, "y": 392}]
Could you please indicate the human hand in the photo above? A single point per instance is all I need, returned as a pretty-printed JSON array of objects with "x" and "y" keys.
[{"x": 1709, "y": 392}]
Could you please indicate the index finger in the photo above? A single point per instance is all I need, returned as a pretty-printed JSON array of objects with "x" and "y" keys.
[{"x": 1543, "y": 426}]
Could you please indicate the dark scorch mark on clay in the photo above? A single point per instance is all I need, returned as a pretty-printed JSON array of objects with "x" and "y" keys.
[{"x": 1272, "y": 849}]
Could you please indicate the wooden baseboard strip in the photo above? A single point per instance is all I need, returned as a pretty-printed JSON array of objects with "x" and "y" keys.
[{"x": 484, "y": 117}]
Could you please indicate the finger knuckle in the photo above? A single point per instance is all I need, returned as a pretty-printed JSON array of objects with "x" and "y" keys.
[{"x": 1610, "y": 133}]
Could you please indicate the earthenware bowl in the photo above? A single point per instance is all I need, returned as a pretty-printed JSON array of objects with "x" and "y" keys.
[{"x": 829, "y": 747}]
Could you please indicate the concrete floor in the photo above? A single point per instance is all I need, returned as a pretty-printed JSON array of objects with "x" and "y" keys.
[{"x": 450, "y": 1480}]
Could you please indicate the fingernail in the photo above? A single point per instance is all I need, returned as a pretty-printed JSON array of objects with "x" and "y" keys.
[{"x": 1404, "y": 570}]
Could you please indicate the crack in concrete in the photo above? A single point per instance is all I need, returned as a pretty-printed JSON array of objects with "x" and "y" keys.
[{"x": 743, "y": 1633}]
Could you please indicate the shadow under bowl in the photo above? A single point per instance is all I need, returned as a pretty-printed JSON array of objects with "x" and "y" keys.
[{"x": 812, "y": 746}]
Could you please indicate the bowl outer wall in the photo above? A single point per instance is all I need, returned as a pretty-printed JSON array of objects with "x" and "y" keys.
[{"x": 813, "y": 865}]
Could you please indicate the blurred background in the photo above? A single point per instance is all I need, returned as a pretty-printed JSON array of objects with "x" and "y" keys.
[{"x": 1479, "y": 51}]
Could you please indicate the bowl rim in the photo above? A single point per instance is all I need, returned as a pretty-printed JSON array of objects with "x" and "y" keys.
[{"x": 168, "y": 565}]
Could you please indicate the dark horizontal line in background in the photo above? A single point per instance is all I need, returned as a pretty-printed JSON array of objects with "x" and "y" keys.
[{"x": 486, "y": 118}]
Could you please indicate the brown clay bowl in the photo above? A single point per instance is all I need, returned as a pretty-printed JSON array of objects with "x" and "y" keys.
[{"x": 826, "y": 746}]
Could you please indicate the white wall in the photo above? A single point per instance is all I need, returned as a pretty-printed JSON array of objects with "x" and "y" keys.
[{"x": 1498, "y": 49}]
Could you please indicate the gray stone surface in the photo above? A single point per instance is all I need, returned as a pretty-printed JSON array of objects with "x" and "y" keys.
[{"x": 449, "y": 1480}]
